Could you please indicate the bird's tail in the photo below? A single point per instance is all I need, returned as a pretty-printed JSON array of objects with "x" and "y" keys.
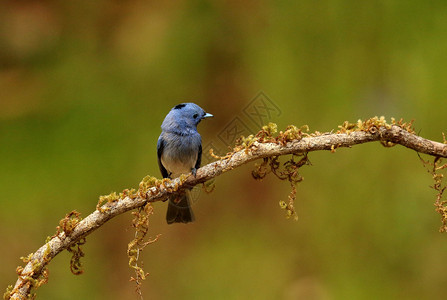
[{"x": 179, "y": 209}]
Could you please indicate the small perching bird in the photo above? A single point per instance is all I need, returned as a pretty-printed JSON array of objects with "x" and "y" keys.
[{"x": 179, "y": 151}]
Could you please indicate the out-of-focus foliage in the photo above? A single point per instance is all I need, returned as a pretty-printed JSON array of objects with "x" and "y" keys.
[{"x": 85, "y": 85}]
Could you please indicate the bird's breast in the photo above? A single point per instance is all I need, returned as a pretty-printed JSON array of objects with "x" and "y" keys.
[{"x": 180, "y": 154}]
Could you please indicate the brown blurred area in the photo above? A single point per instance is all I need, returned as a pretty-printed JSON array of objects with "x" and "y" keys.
[{"x": 85, "y": 85}]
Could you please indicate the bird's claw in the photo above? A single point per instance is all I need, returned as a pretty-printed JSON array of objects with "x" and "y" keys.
[{"x": 194, "y": 171}]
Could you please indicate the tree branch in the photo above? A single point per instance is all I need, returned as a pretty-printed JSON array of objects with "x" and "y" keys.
[{"x": 258, "y": 148}]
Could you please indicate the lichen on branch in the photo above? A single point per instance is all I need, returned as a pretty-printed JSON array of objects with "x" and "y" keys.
[
  {"x": 141, "y": 224},
  {"x": 437, "y": 170}
]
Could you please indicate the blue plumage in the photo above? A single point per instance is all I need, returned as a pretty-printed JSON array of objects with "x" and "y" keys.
[{"x": 179, "y": 151}]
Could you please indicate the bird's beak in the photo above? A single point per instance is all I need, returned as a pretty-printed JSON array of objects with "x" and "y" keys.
[{"x": 207, "y": 115}]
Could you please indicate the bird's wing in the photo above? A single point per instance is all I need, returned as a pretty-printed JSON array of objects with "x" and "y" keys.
[
  {"x": 160, "y": 147},
  {"x": 199, "y": 157}
]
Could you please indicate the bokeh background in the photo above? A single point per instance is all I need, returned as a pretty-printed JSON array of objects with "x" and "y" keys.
[{"x": 85, "y": 85}]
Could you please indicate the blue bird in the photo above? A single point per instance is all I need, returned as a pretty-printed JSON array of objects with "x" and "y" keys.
[{"x": 179, "y": 151}]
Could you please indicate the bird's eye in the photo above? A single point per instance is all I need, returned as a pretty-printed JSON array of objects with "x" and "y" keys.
[{"x": 195, "y": 116}]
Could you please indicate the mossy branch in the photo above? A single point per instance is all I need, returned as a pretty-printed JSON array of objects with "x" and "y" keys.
[{"x": 72, "y": 230}]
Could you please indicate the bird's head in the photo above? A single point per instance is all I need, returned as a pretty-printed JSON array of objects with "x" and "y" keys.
[{"x": 184, "y": 116}]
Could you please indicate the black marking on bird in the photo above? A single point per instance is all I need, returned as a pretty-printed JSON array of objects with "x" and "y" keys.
[{"x": 179, "y": 106}]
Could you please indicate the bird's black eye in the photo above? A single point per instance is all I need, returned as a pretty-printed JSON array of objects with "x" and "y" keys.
[{"x": 195, "y": 116}]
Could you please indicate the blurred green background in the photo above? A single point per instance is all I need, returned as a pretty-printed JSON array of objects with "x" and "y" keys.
[{"x": 85, "y": 85}]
